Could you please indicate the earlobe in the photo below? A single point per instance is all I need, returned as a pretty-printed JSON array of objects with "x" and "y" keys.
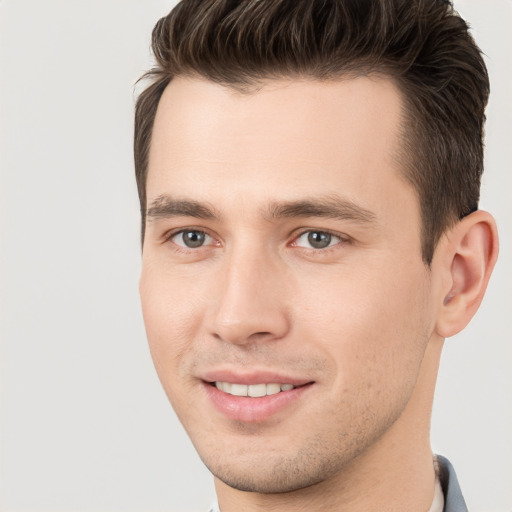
[{"x": 470, "y": 252}]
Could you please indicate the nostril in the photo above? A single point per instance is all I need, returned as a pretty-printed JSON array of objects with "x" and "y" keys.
[{"x": 260, "y": 334}]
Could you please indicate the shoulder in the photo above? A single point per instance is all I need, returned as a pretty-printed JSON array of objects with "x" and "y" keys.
[{"x": 453, "y": 499}]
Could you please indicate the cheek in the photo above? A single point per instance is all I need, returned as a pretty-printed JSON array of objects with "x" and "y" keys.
[
  {"x": 172, "y": 316},
  {"x": 370, "y": 323}
]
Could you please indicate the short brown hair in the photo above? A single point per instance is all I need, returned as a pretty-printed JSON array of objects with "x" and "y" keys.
[{"x": 423, "y": 45}]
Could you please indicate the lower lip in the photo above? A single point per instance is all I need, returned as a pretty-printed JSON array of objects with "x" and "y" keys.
[{"x": 253, "y": 410}]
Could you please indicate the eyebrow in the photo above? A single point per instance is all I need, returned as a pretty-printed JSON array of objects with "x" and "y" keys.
[
  {"x": 329, "y": 207},
  {"x": 165, "y": 207}
]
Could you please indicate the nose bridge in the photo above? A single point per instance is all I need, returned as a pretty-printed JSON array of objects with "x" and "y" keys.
[{"x": 250, "y": 304}]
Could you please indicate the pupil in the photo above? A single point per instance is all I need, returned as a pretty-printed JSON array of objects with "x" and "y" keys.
[
  {"x": 193, "y": 238},
  {"x": 319, "y": 240}
]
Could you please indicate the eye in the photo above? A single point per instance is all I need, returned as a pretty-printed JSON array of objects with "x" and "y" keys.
[
  {"x": 316, "y": 240},
  {"x": 191, "y": 238}
]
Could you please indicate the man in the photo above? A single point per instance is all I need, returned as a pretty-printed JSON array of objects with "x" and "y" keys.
[{"x": 309, "y": 176}]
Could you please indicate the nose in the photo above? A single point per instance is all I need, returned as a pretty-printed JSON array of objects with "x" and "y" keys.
[{"x": 250, "y": 303}]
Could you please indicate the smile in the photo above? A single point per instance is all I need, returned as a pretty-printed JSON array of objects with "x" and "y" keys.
[
  {"x": 253, "y": 390},
  {"x": 255, "y": 398}
]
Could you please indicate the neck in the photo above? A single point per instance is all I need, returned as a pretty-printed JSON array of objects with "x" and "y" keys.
[{"x": 395, "y": 474}]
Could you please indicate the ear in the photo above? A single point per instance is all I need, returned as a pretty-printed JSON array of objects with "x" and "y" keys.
[{"x": 467, "y": 256}]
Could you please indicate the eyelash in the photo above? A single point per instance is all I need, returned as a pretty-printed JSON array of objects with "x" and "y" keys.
[
  {"x": 168, "y": 237},
  {"x": 342, "y": 240}
]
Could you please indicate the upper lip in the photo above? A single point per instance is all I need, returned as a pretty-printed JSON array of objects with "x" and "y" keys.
[{"x": 253, "y": 377}]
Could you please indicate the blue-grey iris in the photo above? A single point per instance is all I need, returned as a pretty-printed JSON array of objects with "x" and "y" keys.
[
  {"x": 193, "y": 239},
  {"x": 319, "y": 240}
]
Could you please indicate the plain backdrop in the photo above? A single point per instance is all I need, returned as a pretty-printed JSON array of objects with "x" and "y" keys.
[{"x": 85, "y": 426}]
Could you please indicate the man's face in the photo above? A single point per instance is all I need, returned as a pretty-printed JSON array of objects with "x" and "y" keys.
[{"x": 283, "y": 253}]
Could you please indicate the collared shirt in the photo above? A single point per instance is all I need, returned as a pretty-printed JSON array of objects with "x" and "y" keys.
[
  {"x": 438, "y": 501},
  {"x": 453, "y": 499},
  {"x": 447, "y": 494}
]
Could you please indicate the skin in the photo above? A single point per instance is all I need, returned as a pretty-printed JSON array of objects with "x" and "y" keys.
[{"x": 362, "y": 320}]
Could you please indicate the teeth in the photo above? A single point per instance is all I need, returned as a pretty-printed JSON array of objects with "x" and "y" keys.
[
  {"x": 273, "y": 389},
  {"x": 224, "y": 386},
  {"x": 253, "y": 390},
  {"x": 256, "y": 390},
  {"x": 238, "y": 389}
]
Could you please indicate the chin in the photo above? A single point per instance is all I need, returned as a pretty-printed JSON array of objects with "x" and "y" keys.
[
  {"x": 269, "y": 481},
  {"x": 277, "y": 473}
]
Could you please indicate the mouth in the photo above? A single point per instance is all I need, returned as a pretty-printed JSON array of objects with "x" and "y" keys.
[
  {"x": 254, "y": 401},
  {"x": 252, "y": 390}
]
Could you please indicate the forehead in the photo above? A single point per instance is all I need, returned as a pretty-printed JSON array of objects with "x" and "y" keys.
[{"x": 288, "y": 138}]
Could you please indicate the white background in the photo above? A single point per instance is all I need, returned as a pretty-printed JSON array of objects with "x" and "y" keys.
[{"x": 84, "y": 424}]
